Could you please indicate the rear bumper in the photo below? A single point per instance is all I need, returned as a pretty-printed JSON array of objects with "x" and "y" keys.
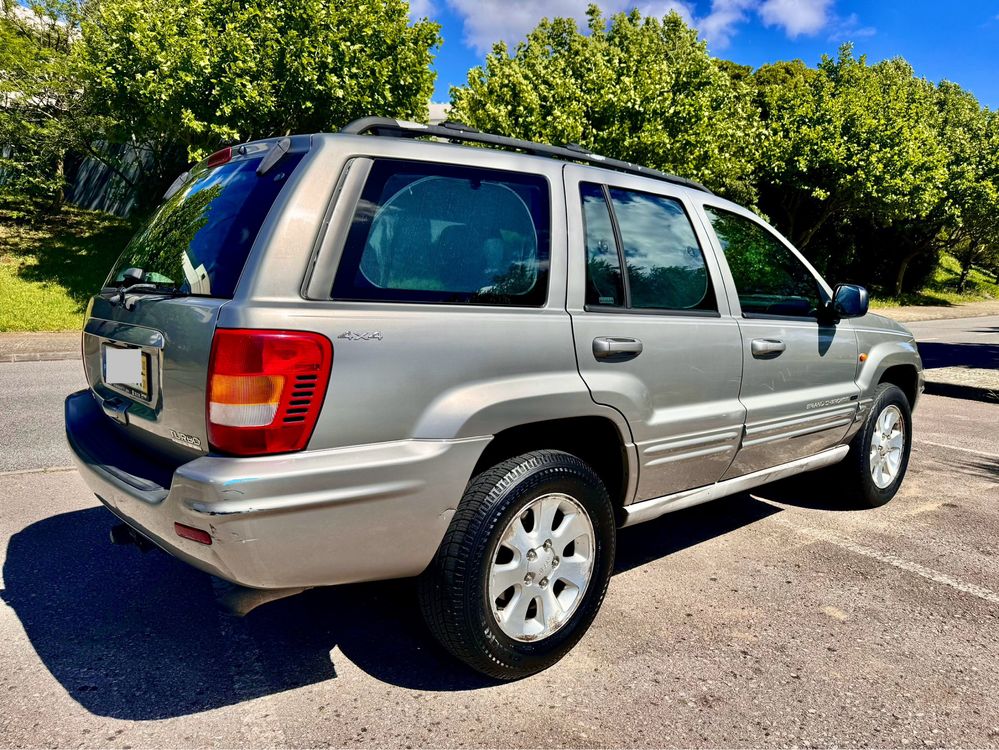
[{"x": 314, "y": 518}]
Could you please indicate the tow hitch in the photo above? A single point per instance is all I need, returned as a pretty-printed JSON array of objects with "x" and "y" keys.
[{"x": 122, "y": 533}]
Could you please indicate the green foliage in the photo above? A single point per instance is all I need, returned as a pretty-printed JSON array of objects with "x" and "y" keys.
[
  {"x": 188, "y": 76},
  {"x": 41, "y": 116},
  {"x": 846, "y": 142},
  {"x": 640, "y": 89}
]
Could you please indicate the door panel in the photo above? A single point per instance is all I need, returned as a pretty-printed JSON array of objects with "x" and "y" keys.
[
  {"x": 800, "y": 401},
  {"x": 673, "y": 373}
]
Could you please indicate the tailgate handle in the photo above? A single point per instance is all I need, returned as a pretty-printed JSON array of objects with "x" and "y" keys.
[
  {"x": 767, "y": 348},
  {"x": 116, "y": 408},
  {"x": 616, "y": 348}
]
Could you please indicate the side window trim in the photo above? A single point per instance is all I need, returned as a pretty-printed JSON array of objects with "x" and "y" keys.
[
  {"x": 706, "y": 251},
  {"x": 622, "y": 261},
  {"x": 731, "y": 289},
  {"x": 318, "y": 282}
]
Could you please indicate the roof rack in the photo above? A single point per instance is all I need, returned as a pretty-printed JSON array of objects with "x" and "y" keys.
[{"x": 459, "y": 132}]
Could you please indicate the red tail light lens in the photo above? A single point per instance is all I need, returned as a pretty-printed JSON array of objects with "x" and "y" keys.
[{"x": 265, "y": 389}]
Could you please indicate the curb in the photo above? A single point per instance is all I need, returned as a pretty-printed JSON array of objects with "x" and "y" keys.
[{"x": 39, "y": 356}]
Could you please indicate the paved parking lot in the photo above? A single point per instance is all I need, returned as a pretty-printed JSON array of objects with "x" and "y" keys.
[{"x": 773, "y": 619}]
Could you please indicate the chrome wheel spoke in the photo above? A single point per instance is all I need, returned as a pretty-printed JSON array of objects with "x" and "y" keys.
[
  {"x": 544, "y": 512},
  {"x": 504, "y": 576},
  {"x": 573, "y": 526},
  {"x": 551, "y": 611},
  {"x": 574, "y": 570},
  {"x": 517, "y": 538},
  {"x": 515, "y": 613}
]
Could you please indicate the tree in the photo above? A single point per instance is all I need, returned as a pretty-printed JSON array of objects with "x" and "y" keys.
[
  {"x": 41, "y": 113},
  {"x": 640, "y": 89},
  {"x": 974, "y": 186},
  {"x": 847, "y": 144},
  {"x": 185, "y": 77}
]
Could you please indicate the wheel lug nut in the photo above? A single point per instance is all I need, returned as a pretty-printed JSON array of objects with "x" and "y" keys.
[
  {"x": 543, "y": 582},
  {"x": 548, "y": 544},
  {"x": 555, "y": 562},
  {"x": 531, "y": 554},
  {"x": 528, "y": 578}
]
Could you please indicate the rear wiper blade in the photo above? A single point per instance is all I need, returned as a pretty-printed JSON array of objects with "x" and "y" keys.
[
  {"x": 154, "y": 289},
  {"x": 118, "y": 297}
]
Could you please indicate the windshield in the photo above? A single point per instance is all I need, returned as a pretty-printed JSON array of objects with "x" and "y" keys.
[{"x": 197, "y": 242}]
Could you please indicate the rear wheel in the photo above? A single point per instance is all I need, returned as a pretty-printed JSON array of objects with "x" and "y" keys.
[
  {"x": 879, "y": 453},
  {"x": 523, "y": 567}
]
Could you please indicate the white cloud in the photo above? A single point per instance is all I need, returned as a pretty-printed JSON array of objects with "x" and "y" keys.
[
  {"x": 718, "y": 26},
  {"x": 849, "y": 28},
  {"x": 796, "y": 17},
  {"x": 488, "y": 21},
  {"x": 419, "y": 9}
]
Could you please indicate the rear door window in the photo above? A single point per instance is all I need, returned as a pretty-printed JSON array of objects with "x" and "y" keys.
[
  {"x": 425, "y": 232},
  {"x": 198, "y": 241},
  {"x": 652, "y": 237}
]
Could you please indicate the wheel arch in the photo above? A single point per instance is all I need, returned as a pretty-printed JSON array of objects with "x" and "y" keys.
[
  {"x": 906, "y": 377},
  {"x": 597, "y": 440}
]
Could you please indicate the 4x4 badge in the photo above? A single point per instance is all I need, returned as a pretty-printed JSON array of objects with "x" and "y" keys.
[{"x": 365, "y": 336}]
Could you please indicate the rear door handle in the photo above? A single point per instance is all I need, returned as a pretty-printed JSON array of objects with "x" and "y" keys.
[
  {"x": 616, "y": 348},
  {"x": 767, "y": 348}
]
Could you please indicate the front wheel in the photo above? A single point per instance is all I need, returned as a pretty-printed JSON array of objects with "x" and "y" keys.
[
  {"x": 524, "y": 565},
  {"x": 879, "y": 453}
]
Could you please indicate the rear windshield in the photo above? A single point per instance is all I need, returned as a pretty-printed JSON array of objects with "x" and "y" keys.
[{"x": 197, "y": 242}]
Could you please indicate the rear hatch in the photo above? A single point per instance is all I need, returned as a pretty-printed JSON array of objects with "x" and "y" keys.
[{"x": 156, "y": 315}]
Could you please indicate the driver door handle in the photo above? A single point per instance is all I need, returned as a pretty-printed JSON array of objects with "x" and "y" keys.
[
  {"x": 616, "y": 348},
  {"x": 767, "y": 348}
]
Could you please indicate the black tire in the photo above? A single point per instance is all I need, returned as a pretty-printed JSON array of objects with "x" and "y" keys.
[
  {"x": 854, "y": 472},
  {"x": 454, "y": 589}
]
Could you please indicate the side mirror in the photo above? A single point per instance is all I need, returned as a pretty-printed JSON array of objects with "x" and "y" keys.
[{"x": 849, "y": 301}]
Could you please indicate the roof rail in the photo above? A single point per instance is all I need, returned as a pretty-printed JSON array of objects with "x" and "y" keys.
[{"x": 458, "y": 132}]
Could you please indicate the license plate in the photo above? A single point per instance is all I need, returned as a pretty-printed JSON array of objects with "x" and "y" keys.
[{"x": 126, "y": 370}]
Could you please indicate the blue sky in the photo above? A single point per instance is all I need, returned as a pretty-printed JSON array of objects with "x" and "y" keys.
[{"x": 957, "y": 40}]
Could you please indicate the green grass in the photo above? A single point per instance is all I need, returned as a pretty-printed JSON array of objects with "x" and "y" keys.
[
  {"x": 50, "y": 267},
  {"x": 942, "y": 288}
]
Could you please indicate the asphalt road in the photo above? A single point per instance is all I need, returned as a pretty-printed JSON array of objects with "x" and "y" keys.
[{"x": 779, "y": 618}]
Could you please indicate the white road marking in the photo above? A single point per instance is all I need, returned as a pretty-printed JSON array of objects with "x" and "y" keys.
[
  {"x": 45, "y": 470},
  {"x": 928, "y": 573},
  {"x": 957, "y": 448}
]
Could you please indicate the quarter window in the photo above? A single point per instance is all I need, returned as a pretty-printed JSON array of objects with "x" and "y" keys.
[
  {"x": 769, "y": 278},
  {"x": 427, "y": 232}
]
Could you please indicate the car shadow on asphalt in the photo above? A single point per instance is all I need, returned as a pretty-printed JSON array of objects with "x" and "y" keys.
[
  {"x": 138, "y": 636},
  {"x": 937, "y": 354}
]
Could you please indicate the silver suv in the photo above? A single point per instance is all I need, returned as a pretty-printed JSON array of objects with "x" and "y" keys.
[{"x": 383, "y": 353}]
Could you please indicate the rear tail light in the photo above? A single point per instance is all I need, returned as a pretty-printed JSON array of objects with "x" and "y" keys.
[{"x": 265, "y": 389}]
